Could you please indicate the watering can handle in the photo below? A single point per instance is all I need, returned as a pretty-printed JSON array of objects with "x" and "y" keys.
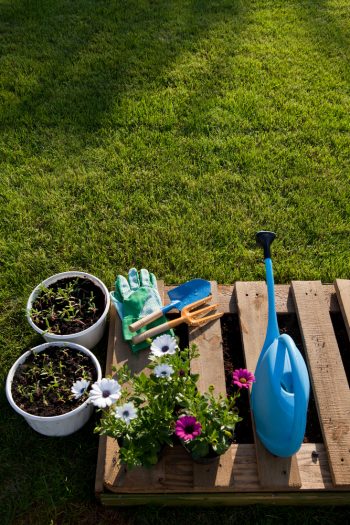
[
  {"x": 265, "y": 239},
  {"x": 301, "y": 390}
]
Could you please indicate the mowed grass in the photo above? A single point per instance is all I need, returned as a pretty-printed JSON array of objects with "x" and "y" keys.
[{"x": 161, "y": 135}]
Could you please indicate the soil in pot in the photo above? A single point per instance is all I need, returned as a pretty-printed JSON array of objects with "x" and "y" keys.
[
  {"x": 68, "y": 306},
  {"x": 42, "y": 384}
]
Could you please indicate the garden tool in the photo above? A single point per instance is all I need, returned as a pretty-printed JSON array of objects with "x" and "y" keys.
[
  {"x": 189, "y": 315},
  {"x": 180, "y": 297},
  {"x": 280, "y": 394},
  {"x": 135, "y": 298}
]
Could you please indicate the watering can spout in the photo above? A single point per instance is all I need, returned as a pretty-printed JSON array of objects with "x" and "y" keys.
[{"x": 265, "y": 239}]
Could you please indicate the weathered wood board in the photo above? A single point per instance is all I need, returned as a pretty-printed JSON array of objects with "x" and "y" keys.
[{"x": 248, "y": 473}]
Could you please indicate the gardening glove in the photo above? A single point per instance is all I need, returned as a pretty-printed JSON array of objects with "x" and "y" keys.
[{"x": 135, "y": 298}]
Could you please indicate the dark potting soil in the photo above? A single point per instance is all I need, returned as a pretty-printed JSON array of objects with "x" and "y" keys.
[
  {"x": 343, "y": 341},
  {"x": 288, "y": 324},
  {"x": 50, "y": 309},
  {"x": 234, "y": 358},
  {"x": 33, "y": 387}
]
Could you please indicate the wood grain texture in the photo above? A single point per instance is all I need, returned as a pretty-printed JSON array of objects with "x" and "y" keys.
[
  {"x": 227, "y": 499},
  {"x": 235, "y": 471},
  {"x": 118, "y": 353},
  {"x": 235, "y": 479},
  {"x": 210, "y": 367},
  {"x": 210, "y": 364},
  {"x": 342, "y": 288},
  {"x": 330, "y": 386},
  {"x": 283, "y": 298},
  {"x": 274, "y": 472},
  {"x": 102, "y": 448}
]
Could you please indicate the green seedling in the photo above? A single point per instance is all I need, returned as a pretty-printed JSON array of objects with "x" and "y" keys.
[
  {"x": 46, "y": 379},
  {"x": 65, "y": 307}
]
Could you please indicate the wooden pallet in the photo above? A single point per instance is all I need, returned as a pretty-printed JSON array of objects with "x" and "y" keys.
[{"x": 248, "y": 473}]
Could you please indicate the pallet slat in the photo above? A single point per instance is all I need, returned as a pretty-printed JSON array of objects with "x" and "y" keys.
[
  {"x": 328, "y": 377},
  {"x": 118, "y": 353},
  {"x": 238, "y": 477},
  {"x": 252, "y": 308},
  {"x": 210, "y": 367},
  {"x": 175, "y": 473},
  {"x": 210, "y": 364},
  {"x": 283, "y": 298}
]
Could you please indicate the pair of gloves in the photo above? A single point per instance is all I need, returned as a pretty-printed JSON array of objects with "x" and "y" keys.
[{"x": 135, "y": 298}]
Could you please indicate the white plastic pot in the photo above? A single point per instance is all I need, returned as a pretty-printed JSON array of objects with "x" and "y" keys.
[
  {"x": 64, "y": 424},
  {"x": 88, "y": 337}
]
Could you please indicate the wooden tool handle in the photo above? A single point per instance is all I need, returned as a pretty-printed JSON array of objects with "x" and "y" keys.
[
  {"x": 145, "y": 320},
  {"x": 156, "y": 330}
]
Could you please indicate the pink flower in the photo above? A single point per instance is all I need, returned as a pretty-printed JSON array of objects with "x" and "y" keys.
[
  {"x": 243, "y": 378},
  {"x": 187, "y": 428}
]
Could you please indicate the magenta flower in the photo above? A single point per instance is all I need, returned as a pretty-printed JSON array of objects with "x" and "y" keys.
[
  {"x": 187, "y": 428},
  {"x": 243, "y": 378}
]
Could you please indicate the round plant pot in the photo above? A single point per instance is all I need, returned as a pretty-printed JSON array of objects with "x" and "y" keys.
[
  {"x": 61, "y": 425},
  {"x": 88, "y": 337}
]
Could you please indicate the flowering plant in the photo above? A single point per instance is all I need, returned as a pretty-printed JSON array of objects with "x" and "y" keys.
[
  {"x": 144, "y": 412},
  {"x": 208, "y": 424}
]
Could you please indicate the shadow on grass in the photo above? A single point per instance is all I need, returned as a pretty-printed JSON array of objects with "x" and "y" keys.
[
  {"x": 328, "y": 34},
  {"x": 67, "y": 64}
]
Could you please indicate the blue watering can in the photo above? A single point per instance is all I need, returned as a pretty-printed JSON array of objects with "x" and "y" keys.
[{"x": 280, "y": 395}]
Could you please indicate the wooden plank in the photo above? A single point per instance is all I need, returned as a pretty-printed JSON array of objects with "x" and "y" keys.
[
  {"x": 313, "y": 467},
  {"x": 210, "y": 364},
  {"x": 283, "y": 298},
  {"x": 100, "y": 465},
  {"x": 118, "y": 353},
  {"x": 174, "y": 473},
  {"x": 274, "y": 472},
  {"x": 227, "y": 499},
  {"x": 342, "y": 288},
  {"x": 328, "y": 377},
  {"x": 234, "y": 470},
  {"x": 102, "y": 448},
  {"x": 210, "y": 367}
]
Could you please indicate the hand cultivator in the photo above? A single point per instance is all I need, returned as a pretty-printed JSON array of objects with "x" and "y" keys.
[
  {"x": 189, "y": 315},
  {"x": 180, "y": 297}
]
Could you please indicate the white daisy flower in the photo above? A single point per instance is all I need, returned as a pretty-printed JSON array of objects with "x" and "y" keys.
[
  {"x": 79, "y": 387},
  {"x": 163, "y": 344},
  {"x": 163, "y": 371},
  {"x": 126, "y": 412},
  {"x": 105, "y": 392}
]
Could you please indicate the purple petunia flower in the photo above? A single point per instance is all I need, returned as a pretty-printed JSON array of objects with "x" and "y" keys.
[
  {"x": 187, "y": 428},
  {"x": 243, "y": 378}
]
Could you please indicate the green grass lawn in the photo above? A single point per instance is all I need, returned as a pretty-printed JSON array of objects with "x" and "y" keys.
[{"x": 161, "y": 135}]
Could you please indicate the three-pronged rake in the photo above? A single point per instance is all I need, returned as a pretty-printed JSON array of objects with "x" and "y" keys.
[{"x": 190, "y": 314}]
